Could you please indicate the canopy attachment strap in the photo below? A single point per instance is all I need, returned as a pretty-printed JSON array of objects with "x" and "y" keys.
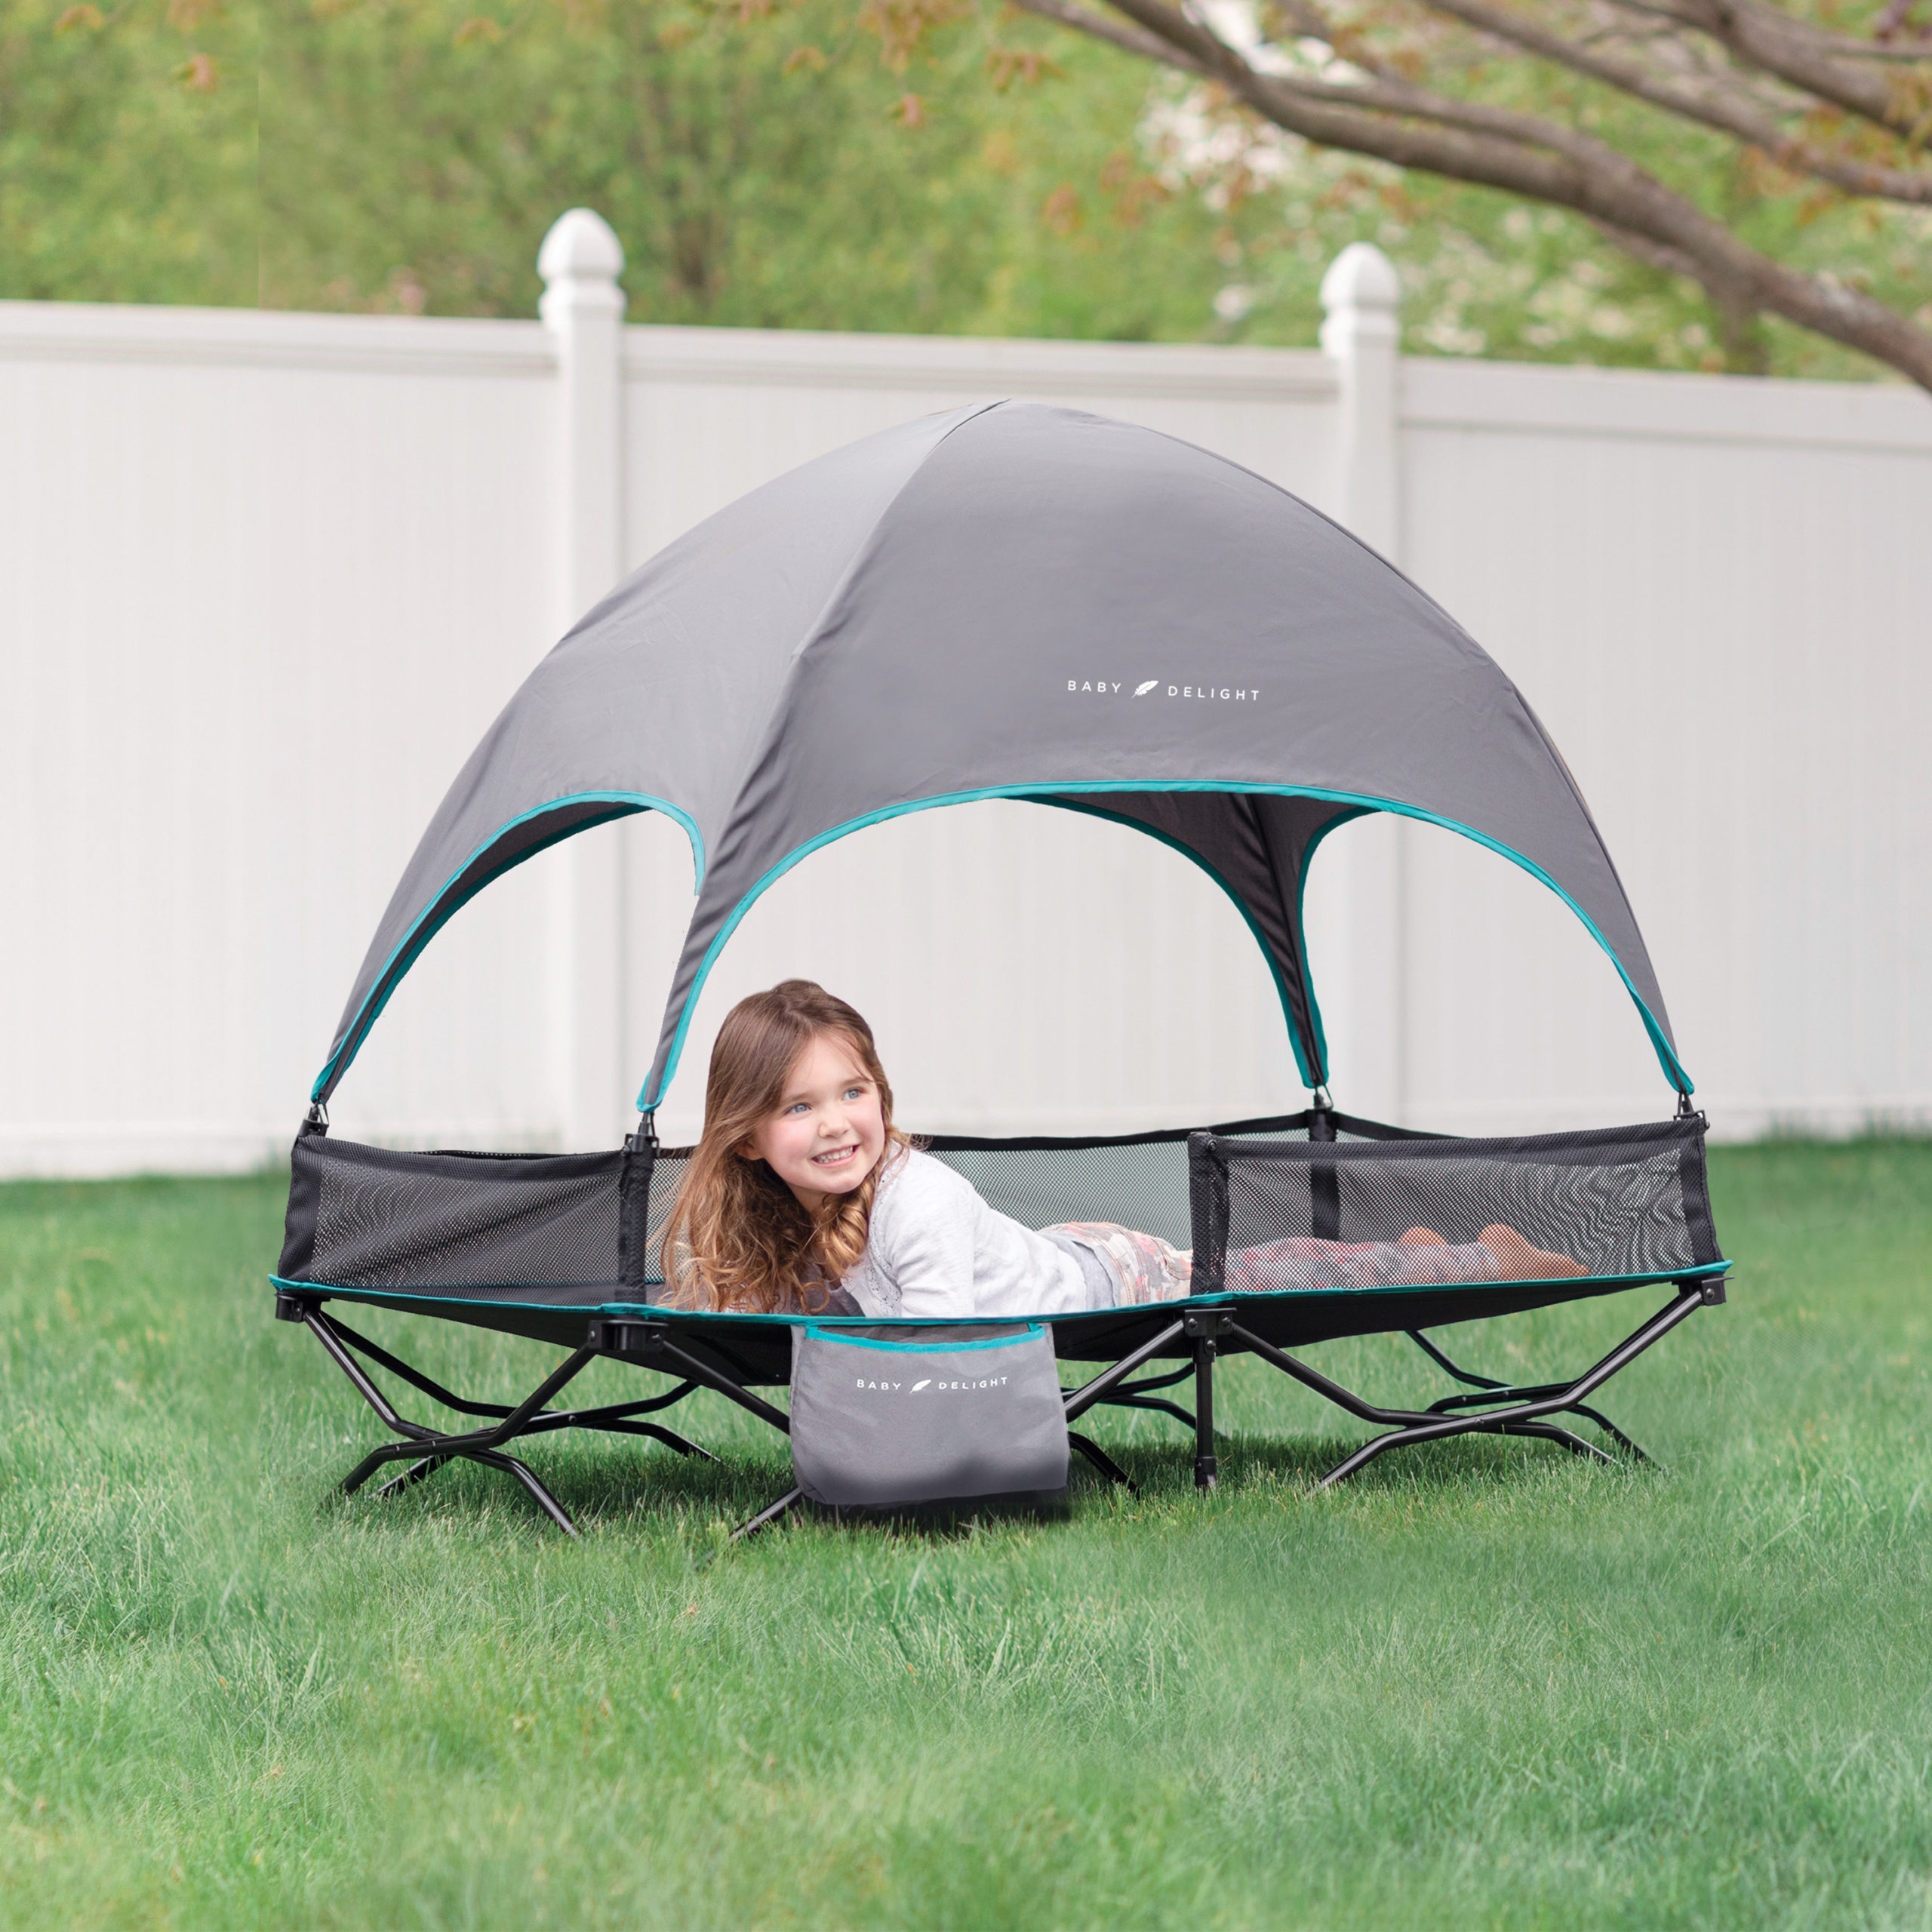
[
  {"x": 634, "y": 1180},
  {"x": 1324, "y": 1187},
  {"x": 317, "y": 1117}
]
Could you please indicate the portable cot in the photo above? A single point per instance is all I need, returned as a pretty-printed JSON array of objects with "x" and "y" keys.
[{"x": 1016, "y": 601}]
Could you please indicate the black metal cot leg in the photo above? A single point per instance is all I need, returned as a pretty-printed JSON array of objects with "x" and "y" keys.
[
  {"x": 524, "y": 1473},
  {"x": 1079, "y": 1401},
  {"x": 1205, "y": 1325},
  {"x": 480, "y": 1445},
  {"x": 1525, "y": 1417},
  {"x": 1102, "y": 1461},
  {"x": 415, "y": 1473},
  {"x": 765, "y": 1518},
  {"x": 1490, "y": 1390},
  {"x": 1141, "y": 1394},
  {"x": 1549, "y": 1432},
  {"x": 431, "y": 1448},
  {"x": 1206, "y": 1466}
]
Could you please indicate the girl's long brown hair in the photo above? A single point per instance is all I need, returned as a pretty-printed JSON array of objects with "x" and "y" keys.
[{"x": 738, "y": 1237}]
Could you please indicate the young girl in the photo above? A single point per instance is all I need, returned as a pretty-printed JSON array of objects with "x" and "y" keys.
[{"x": 803, "y": 1196}]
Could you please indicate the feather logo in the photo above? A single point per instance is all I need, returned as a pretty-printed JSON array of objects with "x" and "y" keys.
[
  {"x": 1141, "y": 690},
  {"x": 917, "y": 1385}
]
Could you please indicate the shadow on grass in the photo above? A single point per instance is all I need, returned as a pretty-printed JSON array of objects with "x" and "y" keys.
[
  {"x": 605, "y": 1486},
  {"x": 1300, "y": 1463}
]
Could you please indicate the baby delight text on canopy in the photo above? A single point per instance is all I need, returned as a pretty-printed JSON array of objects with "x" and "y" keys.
[{"x": 1101, "y": 687}]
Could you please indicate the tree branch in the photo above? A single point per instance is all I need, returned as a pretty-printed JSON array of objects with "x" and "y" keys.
[
  {"x": 1542, "y": 161},
  {"x": 1729, "y": 115},
  {"x": 1064, "y": 13},
  {"x": 1771, "y": 40}
]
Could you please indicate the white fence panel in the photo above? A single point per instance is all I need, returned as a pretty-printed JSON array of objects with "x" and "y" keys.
[
  {"x": 264, "y": 579},
  {"x": 1715, "y": 595}
]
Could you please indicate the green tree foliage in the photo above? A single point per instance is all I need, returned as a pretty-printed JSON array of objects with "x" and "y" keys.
[
  {"x": 767, "y": 168},
  {"x": 127, "y": 151},
  {"x": 771, "y": 173}
]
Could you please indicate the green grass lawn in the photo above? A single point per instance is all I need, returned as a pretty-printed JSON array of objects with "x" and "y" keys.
[{"x": 1486, "y": 1685}]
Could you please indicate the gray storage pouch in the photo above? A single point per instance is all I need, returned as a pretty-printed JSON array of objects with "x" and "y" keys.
[{"x": 885, "y": 1418}]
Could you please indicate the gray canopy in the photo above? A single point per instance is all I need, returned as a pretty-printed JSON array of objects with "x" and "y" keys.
[{"x": 1013, "y": 601}]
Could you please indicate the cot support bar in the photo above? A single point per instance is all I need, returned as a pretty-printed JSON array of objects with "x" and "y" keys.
[
  {"x": 431, "y": 1448},
  {"x": 1488, "y": 1390},
  {"x": 481, "y": 1445},
  {"x": 1529, "y": 1416},
  {"x": 1079, "y": 1401},
  {"x": 436, "y": 1391},
  {"x": 1141, "y": 1396},
  {"x": 1442, "y": 1361},
  {"x": 650, "y": 1339}
]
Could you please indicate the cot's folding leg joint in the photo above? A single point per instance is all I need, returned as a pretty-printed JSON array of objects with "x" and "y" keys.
[
  {"x": 618, "y": 1336},
  {"x": 294, "y": 1308},
  {"x": 1208, "y": 1323}
]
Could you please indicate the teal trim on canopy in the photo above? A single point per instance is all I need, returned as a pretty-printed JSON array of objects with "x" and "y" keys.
[
  {"x": 647, "y": 1099},
  {"x": 409, "y": 948}
]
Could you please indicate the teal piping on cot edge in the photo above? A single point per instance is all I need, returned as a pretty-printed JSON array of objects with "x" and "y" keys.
[
  {"x": 1240, "y": 905},
  {"x": 425, "y": 929},
  {"x": 328, "y": 1290},
  {"x": 812, "y": 1327},
  {"x": 646, "y": 1100}
]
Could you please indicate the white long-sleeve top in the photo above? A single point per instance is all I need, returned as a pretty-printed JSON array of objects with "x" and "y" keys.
[{"x": 935, "y": 1251}]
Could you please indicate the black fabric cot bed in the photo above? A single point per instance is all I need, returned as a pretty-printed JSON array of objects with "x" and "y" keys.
[{"x": 559, "y": 1248}]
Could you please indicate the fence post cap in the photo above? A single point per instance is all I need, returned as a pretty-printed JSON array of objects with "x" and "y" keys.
[
  {"x": 1360, "y": 277},
  {"x": 581, "y": 246}
]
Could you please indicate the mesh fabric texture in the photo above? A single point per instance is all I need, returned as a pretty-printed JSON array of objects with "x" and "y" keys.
[
  {"x": 371, "y": 1217},
  {"x": 1623, "y": 1203},
  {"x": 579, "y": 1231}
]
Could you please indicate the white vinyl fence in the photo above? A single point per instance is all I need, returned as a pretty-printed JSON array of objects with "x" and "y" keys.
[{"x": 265, "y": 579}]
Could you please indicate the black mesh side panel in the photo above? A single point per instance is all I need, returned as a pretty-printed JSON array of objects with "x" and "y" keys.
[
  {"x": 1697, "y": 1201},
  {"x": 574, "y": 1230},
  {"x": 1628, "y": 1202},
  {"x": 667, "y": 1176},
  {"x": 386, "y": 1219},
  {"x": 298, "y": 1233}
]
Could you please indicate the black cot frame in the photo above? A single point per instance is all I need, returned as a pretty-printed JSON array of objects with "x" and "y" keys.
[
  {"x": 1204, "y": 1335},
  {"x": 735, "y": 1356}
]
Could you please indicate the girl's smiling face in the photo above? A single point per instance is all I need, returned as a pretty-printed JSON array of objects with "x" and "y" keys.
[{"x": 826, "y": 1134}]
